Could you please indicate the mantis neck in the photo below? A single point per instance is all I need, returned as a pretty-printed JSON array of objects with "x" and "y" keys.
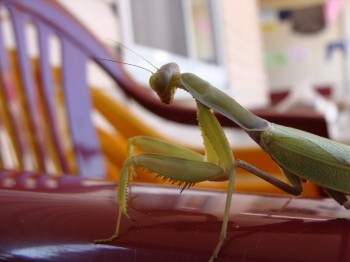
[{"x": 222, "y": 103}]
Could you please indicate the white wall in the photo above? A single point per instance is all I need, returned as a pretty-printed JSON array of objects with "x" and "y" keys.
[
  {"x": 97, "y": 16},
  {"x": 304, "y": 55},
  {"x": 244, "y": 50}
]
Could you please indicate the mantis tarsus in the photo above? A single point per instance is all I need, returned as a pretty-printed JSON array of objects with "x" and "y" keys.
[{"x": 301, "y": 155}]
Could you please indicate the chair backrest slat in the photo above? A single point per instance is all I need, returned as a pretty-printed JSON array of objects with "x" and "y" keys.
[
  {"x": 47, "y": 83},
  {"x": 10, "y": 122},
  {"x": 78, "y": 103},
  {"x": 30, "y": 93}
]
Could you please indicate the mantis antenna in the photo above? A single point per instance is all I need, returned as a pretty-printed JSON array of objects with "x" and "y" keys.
[
  {"x": 132, "y": 51},
  {"x": 120, "y": 62}
]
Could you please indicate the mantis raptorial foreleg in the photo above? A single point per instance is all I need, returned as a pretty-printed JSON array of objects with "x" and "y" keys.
[{"x": 156, "y": 146}]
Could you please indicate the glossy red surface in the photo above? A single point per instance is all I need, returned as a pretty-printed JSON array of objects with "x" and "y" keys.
[{"x": 56, "y": 219}]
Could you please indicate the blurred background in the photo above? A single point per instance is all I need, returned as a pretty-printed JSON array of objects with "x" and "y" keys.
[
  {"x": 283, "y": 57},
  {"x": 255, "y": 50}
]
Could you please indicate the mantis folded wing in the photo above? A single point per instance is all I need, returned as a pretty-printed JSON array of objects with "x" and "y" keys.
[{"x": 302, "y": 156}]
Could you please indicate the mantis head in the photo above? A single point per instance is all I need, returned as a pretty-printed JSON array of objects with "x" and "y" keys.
[{"x": 164, "y": 80}]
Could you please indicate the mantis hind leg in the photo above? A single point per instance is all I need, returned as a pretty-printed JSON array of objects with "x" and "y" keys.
[
  {"x": 294, "y": 189},
  {"x": 223, "y": 231},
  {"x": 341, "y": 198}
]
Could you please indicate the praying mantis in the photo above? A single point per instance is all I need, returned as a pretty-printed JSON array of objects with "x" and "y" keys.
[{"x": 301, "y": 156}]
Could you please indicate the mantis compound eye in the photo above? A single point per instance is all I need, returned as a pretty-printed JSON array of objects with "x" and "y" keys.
[{"x": 163, "y": 82}]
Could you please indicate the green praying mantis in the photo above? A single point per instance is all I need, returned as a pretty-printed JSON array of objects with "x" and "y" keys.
[{"x": 301, "y": 156}]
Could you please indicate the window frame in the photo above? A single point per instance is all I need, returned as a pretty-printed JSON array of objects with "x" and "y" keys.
[{"x": 217, "y": 72}]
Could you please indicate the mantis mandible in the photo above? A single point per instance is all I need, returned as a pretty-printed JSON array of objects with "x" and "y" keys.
[{"x": 302, "y": 156}]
